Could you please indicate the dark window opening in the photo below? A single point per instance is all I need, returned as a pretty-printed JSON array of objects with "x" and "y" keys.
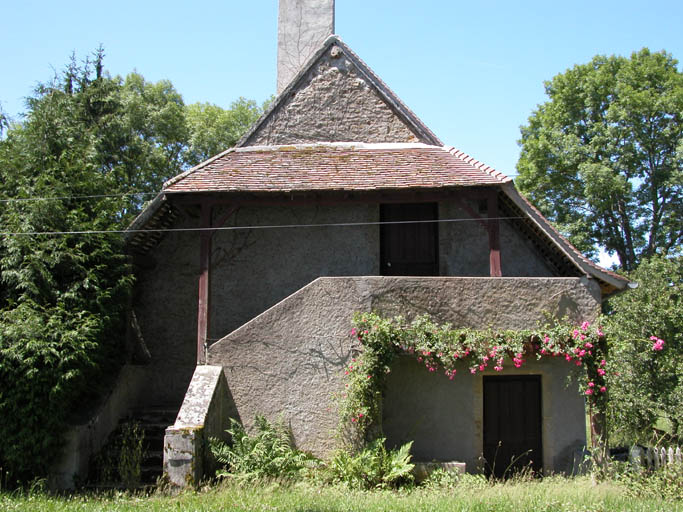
[{"x": 409, "y": 248}]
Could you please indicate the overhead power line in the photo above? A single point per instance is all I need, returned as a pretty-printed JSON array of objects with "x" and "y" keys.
[
  {"x": 237, "y": 228},
  {"x": 68, "y": 198}
]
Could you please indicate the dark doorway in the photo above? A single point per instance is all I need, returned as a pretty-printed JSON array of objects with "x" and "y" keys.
[
  {"x": 512, "y": 424},
  {"x": 409, "y": 249}
]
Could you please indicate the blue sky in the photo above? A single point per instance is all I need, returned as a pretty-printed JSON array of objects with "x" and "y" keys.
[{"x": 472, "y": 71}]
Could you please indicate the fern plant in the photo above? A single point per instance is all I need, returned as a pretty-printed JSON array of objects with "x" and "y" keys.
[
  {"x": 267, "y": 453},
  {"x": 374, "y": 466}
]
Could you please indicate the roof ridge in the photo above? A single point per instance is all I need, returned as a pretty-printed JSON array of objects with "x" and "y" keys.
[
  {"x": 503, "y": 178},
  {"x": 338, "y": 144}
]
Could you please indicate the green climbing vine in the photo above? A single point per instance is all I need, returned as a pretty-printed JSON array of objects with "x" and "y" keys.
[{"x": 442, "y": 348}]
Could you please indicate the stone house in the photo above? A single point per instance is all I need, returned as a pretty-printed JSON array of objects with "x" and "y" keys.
[{"x": 251, "y": 264}]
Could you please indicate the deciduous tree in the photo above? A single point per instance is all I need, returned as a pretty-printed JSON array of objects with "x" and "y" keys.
[
  {"x": 214, "y": 129},
  {"x": 603, "y": 157}
]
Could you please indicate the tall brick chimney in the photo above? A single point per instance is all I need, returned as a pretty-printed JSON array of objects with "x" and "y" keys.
[{"x": 302, "y": 26}]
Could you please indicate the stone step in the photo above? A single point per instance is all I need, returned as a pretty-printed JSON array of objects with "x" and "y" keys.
[{"x": 154, "y": 421}]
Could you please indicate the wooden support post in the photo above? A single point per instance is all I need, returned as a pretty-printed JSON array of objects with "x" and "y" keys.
[
  {"x": 204, "y": 302},
  {"x": 494, "y": 235},
  {"x": 204, "y": 275}
]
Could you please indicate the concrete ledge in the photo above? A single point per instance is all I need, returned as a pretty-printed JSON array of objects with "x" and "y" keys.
[
  {"x": 81, "y": 441},
  {"x": 183, "y": 455},
  {"x": 422, "y": 470},
  {"x": 204, "y": 414}
]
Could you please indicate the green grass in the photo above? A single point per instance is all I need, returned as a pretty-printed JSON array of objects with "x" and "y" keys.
[{"x": 471, "y": 494}]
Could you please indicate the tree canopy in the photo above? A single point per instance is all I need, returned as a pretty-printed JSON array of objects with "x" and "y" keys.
[
  {"x": 214, "y": 129},
  {"x": 603, "y": 157},
  {"x": 88, "y": 153}
]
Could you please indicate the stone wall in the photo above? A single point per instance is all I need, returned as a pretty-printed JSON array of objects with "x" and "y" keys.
[
  {"x": 517, "y": 257},
  {"x": 253, "y": 270},
  {"x": 83, "y": 441},
  {"x": 288, "y": 361},
  {"x": 333, "y": 103}
]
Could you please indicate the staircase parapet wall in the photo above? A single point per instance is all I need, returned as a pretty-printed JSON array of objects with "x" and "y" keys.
[
  {"x": 288, "y": 361},
  {"x": 204, "y": 414},
  {"x": 82, "y": 441}
]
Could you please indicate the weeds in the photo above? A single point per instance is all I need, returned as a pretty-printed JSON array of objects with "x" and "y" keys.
[
  {"x": 665, "y": 483},
  {"x": 131, "y": 455},
  {"x": 120, "y": 460}
]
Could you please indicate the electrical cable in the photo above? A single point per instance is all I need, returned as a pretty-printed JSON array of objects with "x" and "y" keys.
[
  {"x": 67, "y": 198},
  {"x": 238, "y": 228}
]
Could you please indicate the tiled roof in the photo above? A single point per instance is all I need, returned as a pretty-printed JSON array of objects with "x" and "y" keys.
[
  {"x": 570, "y": 246},
  {"x": 336, "y": 167}
]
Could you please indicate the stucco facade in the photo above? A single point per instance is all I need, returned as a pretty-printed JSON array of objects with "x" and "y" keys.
[
  {"x": 253, "y": 269},
  {"x": 446, "y": 417},
  {"x": 288, "y": 362}
]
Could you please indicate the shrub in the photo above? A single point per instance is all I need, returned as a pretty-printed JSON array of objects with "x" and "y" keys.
[
  {"x": 664, "y": 483},
  {"x": 646, "y": 390}
]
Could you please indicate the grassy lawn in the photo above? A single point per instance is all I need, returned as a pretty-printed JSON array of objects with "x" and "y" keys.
[{"x": 550, "y": 494}]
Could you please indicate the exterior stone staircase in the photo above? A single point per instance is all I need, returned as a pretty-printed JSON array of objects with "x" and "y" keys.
[{"x": 153, "y": 421}]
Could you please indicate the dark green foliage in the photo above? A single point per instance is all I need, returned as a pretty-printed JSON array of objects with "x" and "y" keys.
[
  {"x": 64, "y": 297},
  {"x": 647, "y": 388},
  {"x": 603, "y": 157},
  {"x": 268, "y": 453}
]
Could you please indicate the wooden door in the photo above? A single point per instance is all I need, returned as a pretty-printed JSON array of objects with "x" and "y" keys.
[
  {"x": 512, "y": 424},
  {"x": 409, "y": 249}
]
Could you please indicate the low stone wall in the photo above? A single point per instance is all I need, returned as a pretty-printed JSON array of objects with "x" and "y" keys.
[
  {"x": 82, "y": 441},
  {"x": 205, "y": 414},
  {"x": 288, "y": 362}
]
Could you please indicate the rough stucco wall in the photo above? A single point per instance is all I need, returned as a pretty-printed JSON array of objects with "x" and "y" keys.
[
  {"x": 446, "y": 417},
  {"x": 253, "y": 270},
  {"x": 456, "y": 258},
  {"x": 165, "y": 303},
  {"x": 332, "y": 104},
  {"x": 288, "y": 361}
]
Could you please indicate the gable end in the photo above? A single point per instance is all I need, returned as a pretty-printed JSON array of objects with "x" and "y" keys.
[{"x": 337, "y": 98}]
